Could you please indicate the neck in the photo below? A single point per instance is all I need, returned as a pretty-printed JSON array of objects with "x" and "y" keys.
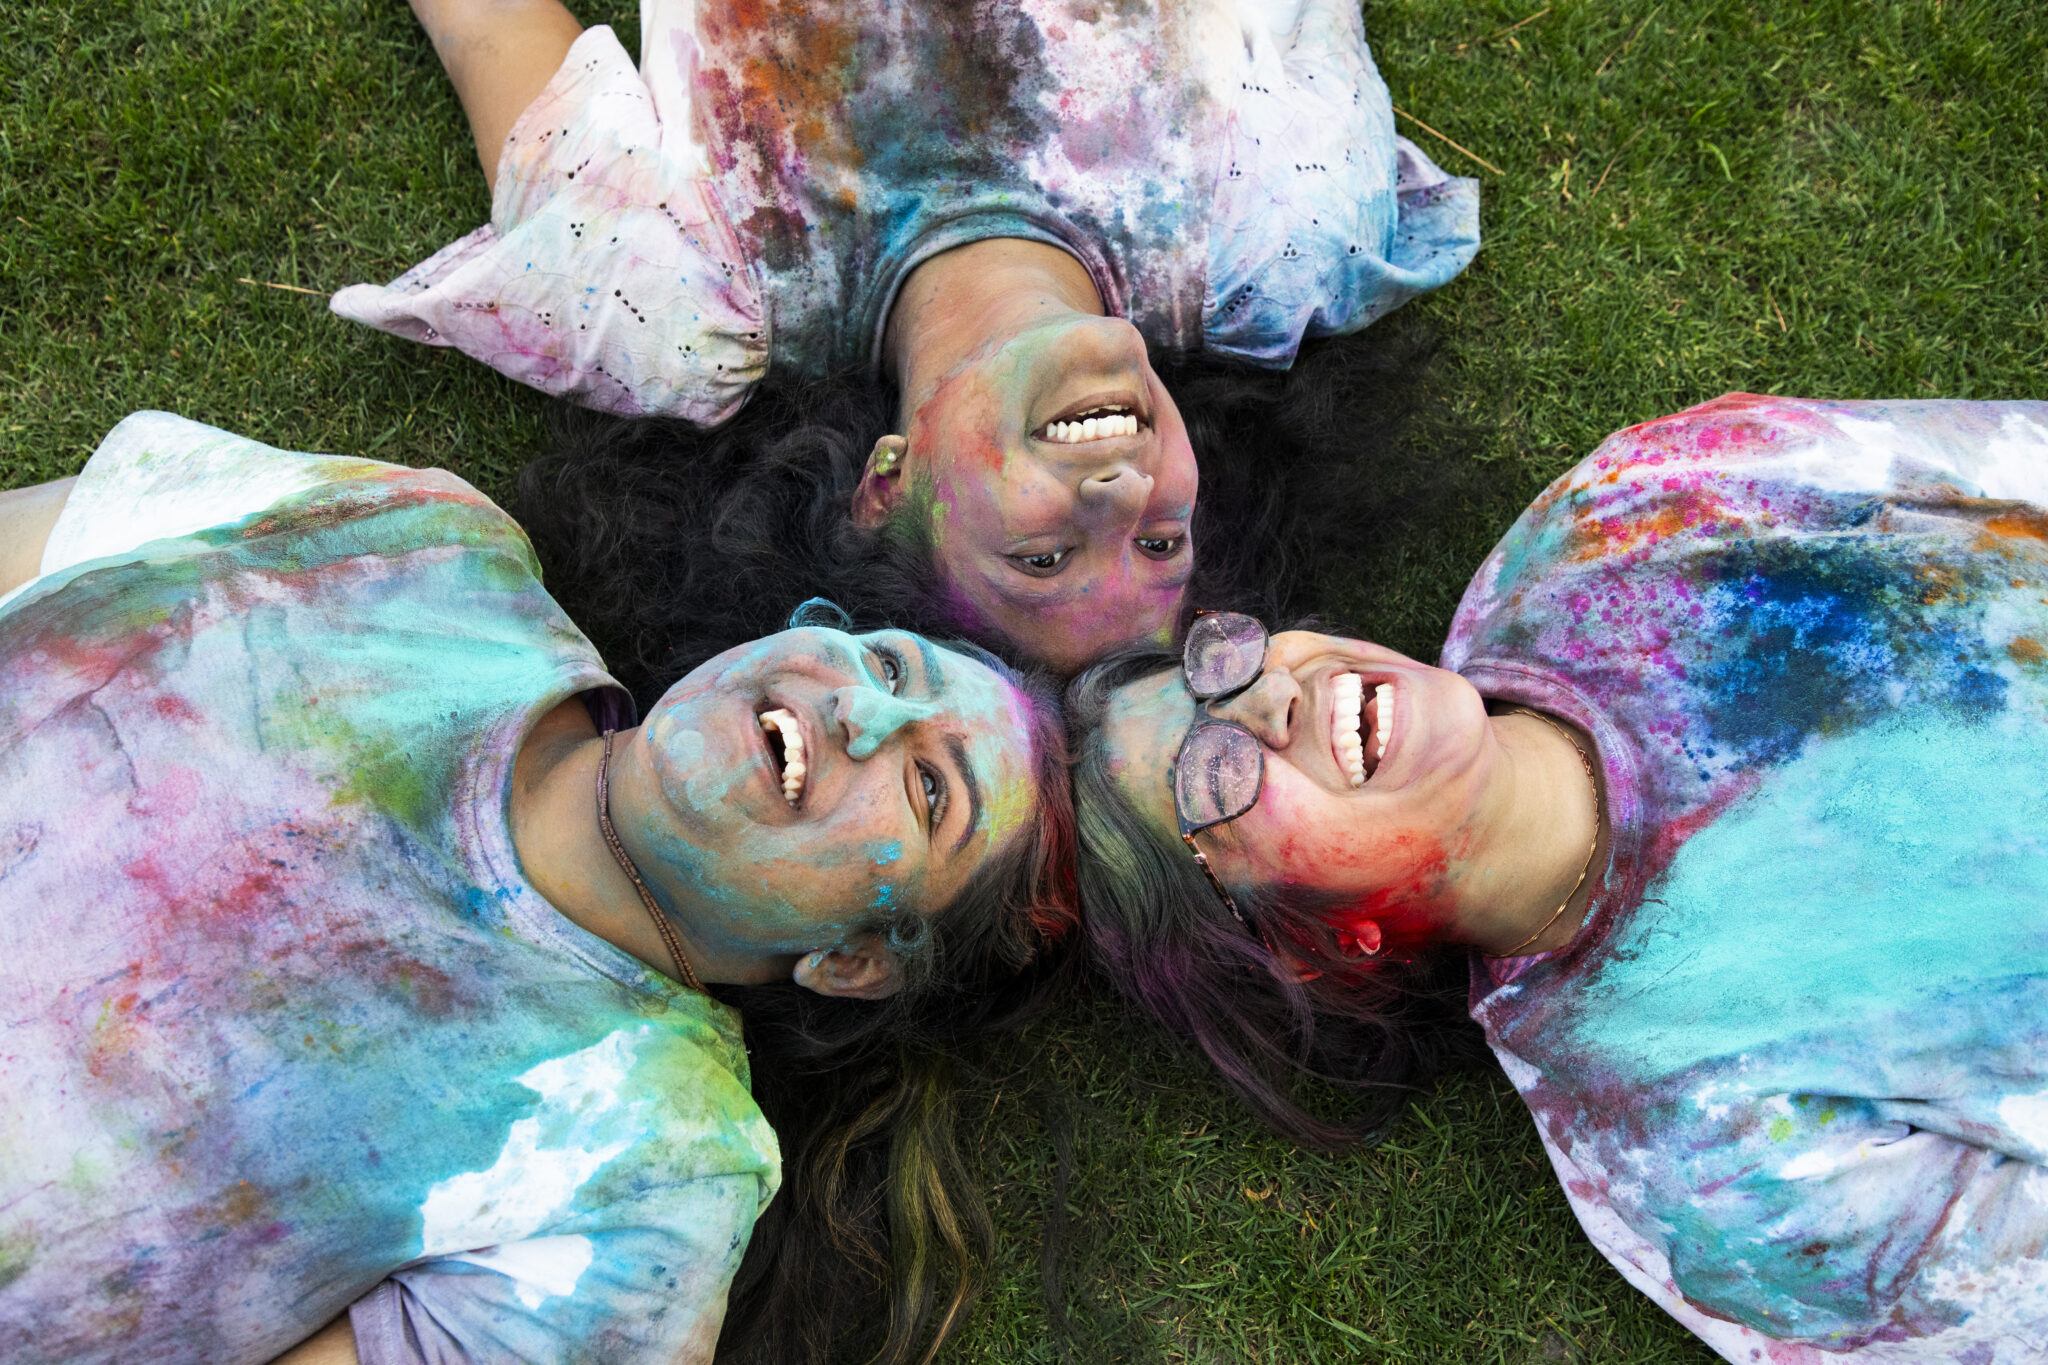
[
  {"x": 961, "y": 301},
  {"x": 1531, "y": 842},
  {"x": 563, "y": 852}
]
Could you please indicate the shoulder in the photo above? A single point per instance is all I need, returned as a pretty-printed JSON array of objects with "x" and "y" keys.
[{"x": 1748, "y": 470}]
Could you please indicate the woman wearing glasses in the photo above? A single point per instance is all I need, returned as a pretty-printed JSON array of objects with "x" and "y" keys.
[{"x": 1733, "y": 787}]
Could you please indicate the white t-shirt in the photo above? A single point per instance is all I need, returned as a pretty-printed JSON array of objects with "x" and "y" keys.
[{"x": 287, "y": 1028}]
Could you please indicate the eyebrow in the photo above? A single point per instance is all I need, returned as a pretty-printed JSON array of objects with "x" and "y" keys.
[
  {"x": 934, "y": 676},
  {"x": 935, "y": 685},
  {"x": 958, "y": 748}
]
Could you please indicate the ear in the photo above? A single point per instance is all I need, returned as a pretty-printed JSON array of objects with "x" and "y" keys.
[
  {"x": 859, "y": 971},
  {"x": 881, "y": 484}
]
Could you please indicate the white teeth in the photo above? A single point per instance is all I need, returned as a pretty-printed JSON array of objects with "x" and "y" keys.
[
  {"x": 793, "y": 770},
  {"x": 1095, "y": 428},
  {"x": 1347, "y": 692},
  {"x": 1383, "y": 714}
]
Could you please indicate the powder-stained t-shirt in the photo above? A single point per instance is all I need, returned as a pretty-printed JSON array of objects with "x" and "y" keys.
[
  {"x": 754, "y": 195},
  {"x": 1793, "y": 1071},
  {"x": 283, "y": 1026}
]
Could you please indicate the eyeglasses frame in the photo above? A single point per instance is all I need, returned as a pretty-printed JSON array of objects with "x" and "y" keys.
[{"x": 1189, "y": 830}]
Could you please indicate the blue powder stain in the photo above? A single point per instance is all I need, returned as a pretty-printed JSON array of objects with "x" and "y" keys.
[
  {"x": 885, "y": 898},
  {"x": 1885, "y": 874},
  {"x": 1821, "y": 636},
  {"x": 886, "y": 853}
]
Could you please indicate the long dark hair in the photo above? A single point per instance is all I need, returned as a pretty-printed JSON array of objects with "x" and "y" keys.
[
  {"x": 1157, "y": 933},
  {"x": 671, "y": 543}
]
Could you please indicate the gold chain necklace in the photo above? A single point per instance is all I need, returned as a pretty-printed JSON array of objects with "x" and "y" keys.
[
  {"x": 1598, "y": 818},
  {"x": 684, "y": 971}
]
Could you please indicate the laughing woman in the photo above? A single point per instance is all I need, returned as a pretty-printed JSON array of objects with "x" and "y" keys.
[
  {"x": 361, "y": 957},
  {"x": 1734, "y": 785},
  {"x": 991, "y": 210}
]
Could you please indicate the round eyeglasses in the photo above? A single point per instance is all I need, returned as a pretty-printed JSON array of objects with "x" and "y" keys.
[{"x": 1221, "y": 767}]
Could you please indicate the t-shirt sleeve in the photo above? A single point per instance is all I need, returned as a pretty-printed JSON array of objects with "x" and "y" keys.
[
  {"x": 1324, "y": 219},
  {"x": 157, "y": 475},
  {"x": 649, "y": 1285},
  {"x": 609, "y": 273}
]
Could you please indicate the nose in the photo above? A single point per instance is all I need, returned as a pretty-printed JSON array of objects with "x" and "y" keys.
[
  {"x": 1266, "y": 708},
  {"x": 1114, "y": 494},
  {"x": 867, "y": 717}
]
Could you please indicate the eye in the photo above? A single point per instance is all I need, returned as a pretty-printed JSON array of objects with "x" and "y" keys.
[
  {"x": 934, "y": 783},
  {"x": 889, "y": 667},
  {"x": 1043, "y": 565},
  {"x": 1161, "y": 547}
]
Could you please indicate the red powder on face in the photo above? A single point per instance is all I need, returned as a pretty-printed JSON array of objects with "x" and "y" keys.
[{"x": 1414, "y": 909}]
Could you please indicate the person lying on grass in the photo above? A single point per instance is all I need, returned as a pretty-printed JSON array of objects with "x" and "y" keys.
[
  {"x": 1734, "y": 787},
  {"x": 990, "y": 212},
  {"x": 361, "y": 956}
]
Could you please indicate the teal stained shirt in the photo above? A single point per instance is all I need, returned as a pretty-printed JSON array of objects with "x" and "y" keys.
[
  {"x": 1794, "y": 1069},
  {"x": 283, "y": 1027}
]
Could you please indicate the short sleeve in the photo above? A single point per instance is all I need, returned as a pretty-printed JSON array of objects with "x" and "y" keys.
[
  {"x": 157, "y": 475},
  {"x": 609, "y": 273},
  {"x": 645, "y": 1281},
  {"x": 1324, "y": 221}
]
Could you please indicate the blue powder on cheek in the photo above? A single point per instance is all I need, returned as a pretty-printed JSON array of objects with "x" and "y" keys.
[
  {"x": 884, "y": 854},
  {"x": 885, "y": 897}
]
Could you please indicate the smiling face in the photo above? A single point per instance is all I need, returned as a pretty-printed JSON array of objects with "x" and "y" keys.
[
  {"x": 1058, "y": 483},
  {"x": 915, "y": 767},
  {"x": 1385, "y": 849}
]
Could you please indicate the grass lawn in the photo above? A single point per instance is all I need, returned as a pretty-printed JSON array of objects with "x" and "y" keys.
[{"x": 1834, "y": 199}]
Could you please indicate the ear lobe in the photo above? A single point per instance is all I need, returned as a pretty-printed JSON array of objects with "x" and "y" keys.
[
  {"x": 881, "y": 484},
  {"x": 862, "y": 971}
]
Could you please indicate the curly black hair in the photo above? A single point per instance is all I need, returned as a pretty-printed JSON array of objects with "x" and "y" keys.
[{"x": 669, "y": 543}]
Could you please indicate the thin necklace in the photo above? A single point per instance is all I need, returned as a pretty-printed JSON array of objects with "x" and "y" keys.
[
  {"x": 684, "y": 971},
  {"x": 1598, "y": 817}
]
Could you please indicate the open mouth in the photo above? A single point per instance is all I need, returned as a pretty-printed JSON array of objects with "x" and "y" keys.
[
  {"x": 1350, "y": 716},
  {"x": 1102, "y": 422},
  {"x": 786, "y": 749}
]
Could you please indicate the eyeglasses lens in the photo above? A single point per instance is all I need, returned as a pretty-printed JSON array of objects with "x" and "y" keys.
[
  {"x": 1218, "y": 775},
  {"x": 1223, "y": 653}
]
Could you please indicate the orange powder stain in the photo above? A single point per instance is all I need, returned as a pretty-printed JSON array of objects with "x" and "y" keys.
[
  {"x": 2030, "y": 523},
  {"x": 1941, "y": 584},
  {"x": 2027, "y": 652},
  {"x": 1597, "y": 537},
  {"x": 114, "y": 1035}
]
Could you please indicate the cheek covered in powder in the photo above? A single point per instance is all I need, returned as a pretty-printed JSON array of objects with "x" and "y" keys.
[{"x": 1359, "y": 865}]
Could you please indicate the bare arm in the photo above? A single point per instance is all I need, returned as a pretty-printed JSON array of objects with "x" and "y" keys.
[
  {"x": 500, "y": 54},
  {"x": 26, "y": 516},
  {"x": 334, "y": 1344}
]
